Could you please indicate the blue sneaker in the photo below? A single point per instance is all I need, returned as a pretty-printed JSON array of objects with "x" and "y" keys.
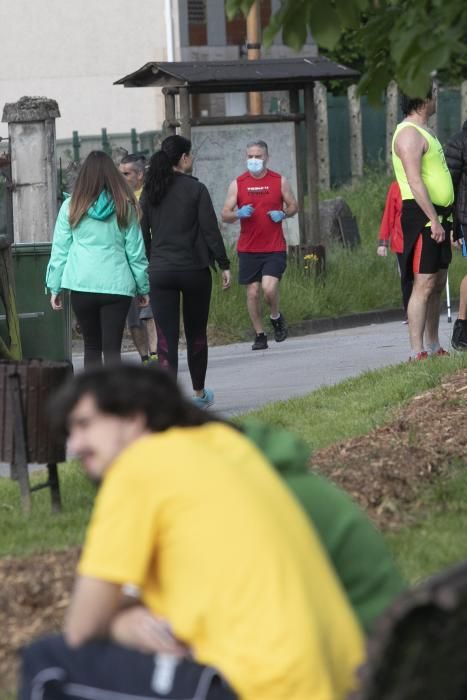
[{"x": 206, "y": 400}]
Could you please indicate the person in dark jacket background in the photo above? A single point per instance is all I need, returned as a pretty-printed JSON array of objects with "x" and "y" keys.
[
  {"x": 183, "y": 241},
  {"x": 456, "y": 158}
]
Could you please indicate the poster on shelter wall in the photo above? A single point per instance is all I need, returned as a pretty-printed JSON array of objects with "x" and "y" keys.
[{"x": 220, "y": 156}]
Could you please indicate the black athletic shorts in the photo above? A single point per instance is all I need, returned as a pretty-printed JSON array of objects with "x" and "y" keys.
[
  {"x": 430, "y": 256},
  {"x": 252, "y": 267}
]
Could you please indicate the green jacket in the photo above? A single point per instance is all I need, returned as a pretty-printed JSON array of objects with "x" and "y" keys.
[
  {"x": 96, "y": 256},
  {"x": 356, "y": 549}
]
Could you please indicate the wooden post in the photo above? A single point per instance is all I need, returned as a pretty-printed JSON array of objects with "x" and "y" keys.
[
  {"x": 169, "y": 121},
  {"x": 295, "y": 108},
  {"x": 392, "y": 99},
  {"x": 463, "y": 101},
  {"x": 356, "y": 142},
  {"x": 21, "y": 450},
  {"x": 312, "y": 233},
  {"x": 321, "y": 105},
  {"x": 185, "y": 113},
  {"x": 253, "y": 45},
  {"x": 12, "y": 350}
]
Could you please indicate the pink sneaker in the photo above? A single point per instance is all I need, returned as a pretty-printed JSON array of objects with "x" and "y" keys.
[{"x": 441, "y": 352}]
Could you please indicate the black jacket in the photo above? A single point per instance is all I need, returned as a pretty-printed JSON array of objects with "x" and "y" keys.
[
  {"x": 181, "y": 232},
  {"x": 456, "y": 158}
]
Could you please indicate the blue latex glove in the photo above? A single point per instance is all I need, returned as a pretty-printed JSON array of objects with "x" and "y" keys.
[
  {"x": 276, "y": 215},
  {"x": 246, "y": 211}
]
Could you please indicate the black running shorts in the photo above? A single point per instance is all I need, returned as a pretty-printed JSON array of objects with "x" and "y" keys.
[
  {"x": 430, "y": 256},
  {"x": 252, "y": 267}
]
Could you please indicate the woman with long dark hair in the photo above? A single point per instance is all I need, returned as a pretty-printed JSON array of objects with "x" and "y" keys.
[
  {"x": 183, "y": 241},
  {"x": 98, "y": 253}
]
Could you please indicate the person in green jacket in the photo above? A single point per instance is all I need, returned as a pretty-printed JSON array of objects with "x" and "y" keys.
[
  {"x": 98, "y": 254},
  {"x": 356, "y": 549}
]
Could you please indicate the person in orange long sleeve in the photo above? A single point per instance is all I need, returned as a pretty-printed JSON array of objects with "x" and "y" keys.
[{"x": 390, "y": 235}]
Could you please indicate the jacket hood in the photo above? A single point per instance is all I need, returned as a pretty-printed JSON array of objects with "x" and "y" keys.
[
  {"x": 103, "y": 207},
  {"x": 288, "y": 453}
]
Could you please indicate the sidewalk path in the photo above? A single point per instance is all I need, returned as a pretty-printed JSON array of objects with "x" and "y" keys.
[{"x": 243, "y": 380}]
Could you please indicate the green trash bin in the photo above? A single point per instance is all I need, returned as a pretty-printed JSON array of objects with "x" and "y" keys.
[{"x": 45, "y": 333}]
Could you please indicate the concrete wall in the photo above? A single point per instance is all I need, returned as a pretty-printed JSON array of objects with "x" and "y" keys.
[
  {"x": 220, "y": 157},
  {"x": 74, "y": 51}
]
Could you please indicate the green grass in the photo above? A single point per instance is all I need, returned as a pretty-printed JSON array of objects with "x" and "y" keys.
[
  {"x": 355, "y": 406},
  {"x": 41, "y": 530},
  {"x": 437, "y": 539},
  {"x": 356, "y": 280}
]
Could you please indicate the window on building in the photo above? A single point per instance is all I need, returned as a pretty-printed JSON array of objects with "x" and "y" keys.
[{"x": 197, "y": 23}]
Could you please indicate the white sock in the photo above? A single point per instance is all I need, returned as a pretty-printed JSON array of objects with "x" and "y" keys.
[{"x": 274, "y": 318}]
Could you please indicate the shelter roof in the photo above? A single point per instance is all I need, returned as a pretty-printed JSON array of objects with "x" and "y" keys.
[{"x": 238, "y": 76}]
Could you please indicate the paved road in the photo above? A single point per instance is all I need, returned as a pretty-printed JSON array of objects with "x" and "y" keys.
[{"x": 244, "y": 380}]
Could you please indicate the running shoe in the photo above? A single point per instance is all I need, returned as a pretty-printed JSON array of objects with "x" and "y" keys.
[
  {"x": 281, "y": 330},
  {"x": 261, "y": 342},
  {"x": 423, "y": 355},
  {"x": 440, "y": 352},
  {"x": 204, "y": 401}
]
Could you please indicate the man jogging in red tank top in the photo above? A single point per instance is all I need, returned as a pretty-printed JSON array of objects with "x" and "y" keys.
[{"x": 261, "y": 199}]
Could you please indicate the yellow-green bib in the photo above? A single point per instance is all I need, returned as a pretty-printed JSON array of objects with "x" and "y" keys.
[{"x": 435, "y": 173}]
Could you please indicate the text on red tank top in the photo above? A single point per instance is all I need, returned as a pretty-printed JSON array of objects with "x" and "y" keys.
[{"x": 259, "y": 234}]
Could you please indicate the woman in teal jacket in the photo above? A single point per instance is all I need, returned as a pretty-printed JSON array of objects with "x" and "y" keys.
[{"x": 98, "y": 254}]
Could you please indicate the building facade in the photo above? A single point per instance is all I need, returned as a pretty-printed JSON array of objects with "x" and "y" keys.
[{"x": 73, "y": 52}]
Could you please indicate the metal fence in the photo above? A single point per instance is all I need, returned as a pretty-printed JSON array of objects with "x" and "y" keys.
[{"x": 76, "y": 148}]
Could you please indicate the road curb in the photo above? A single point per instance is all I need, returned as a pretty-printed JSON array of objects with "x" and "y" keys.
[
  {"x": 324, "y": 325},
  {"x": 364, "y": 318}
]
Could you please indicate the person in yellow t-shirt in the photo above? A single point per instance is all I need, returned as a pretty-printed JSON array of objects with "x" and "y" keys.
[{"x": 234, "y": 596}]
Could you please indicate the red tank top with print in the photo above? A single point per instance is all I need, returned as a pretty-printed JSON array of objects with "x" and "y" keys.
[{"x": 259, "y": 234}]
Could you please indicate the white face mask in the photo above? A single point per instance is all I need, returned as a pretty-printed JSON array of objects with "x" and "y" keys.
[{"x": 255, "y": 165}]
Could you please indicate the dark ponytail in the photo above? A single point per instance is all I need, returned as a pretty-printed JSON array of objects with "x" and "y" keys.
[{"x": 160, "y": 173}]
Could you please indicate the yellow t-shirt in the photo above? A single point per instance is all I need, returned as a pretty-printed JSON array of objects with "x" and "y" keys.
[{"x": 199, "y": 521}]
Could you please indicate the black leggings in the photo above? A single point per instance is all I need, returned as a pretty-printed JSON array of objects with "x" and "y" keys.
[
  {"x": 406, "y": 284},
  {"x": 195, "y": 287},
  {"x": 102, "y": 320}
]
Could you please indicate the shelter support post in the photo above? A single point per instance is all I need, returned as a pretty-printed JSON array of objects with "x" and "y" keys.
[
  {"x": 294, "y": 98},
  {"x": 312, "y": 240},
  {"x": 322, "y": 134},
  {"x": 169, "y": 121},
  {"x": 185, "y": 112}
]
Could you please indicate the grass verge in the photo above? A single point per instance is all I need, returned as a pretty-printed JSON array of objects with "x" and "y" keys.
[{"x": 333, "y": 413}]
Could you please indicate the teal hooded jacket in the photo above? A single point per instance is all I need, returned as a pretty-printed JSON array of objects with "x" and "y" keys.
[
  {"x": 96, "y": 255},
  {"x": 354, "y": 546}
]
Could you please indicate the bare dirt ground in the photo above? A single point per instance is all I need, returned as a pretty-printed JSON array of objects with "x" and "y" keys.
[{"x": 385, "y": 471}]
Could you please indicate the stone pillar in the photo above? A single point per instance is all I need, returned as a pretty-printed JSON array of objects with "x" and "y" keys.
[{"x": 31, "y": 128}]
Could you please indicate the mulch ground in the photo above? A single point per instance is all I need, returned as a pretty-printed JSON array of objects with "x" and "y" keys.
[{"x": 385, "y": 471}]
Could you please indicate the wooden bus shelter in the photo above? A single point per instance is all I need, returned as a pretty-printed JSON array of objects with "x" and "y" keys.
[{"x": 183, "y": 79}]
